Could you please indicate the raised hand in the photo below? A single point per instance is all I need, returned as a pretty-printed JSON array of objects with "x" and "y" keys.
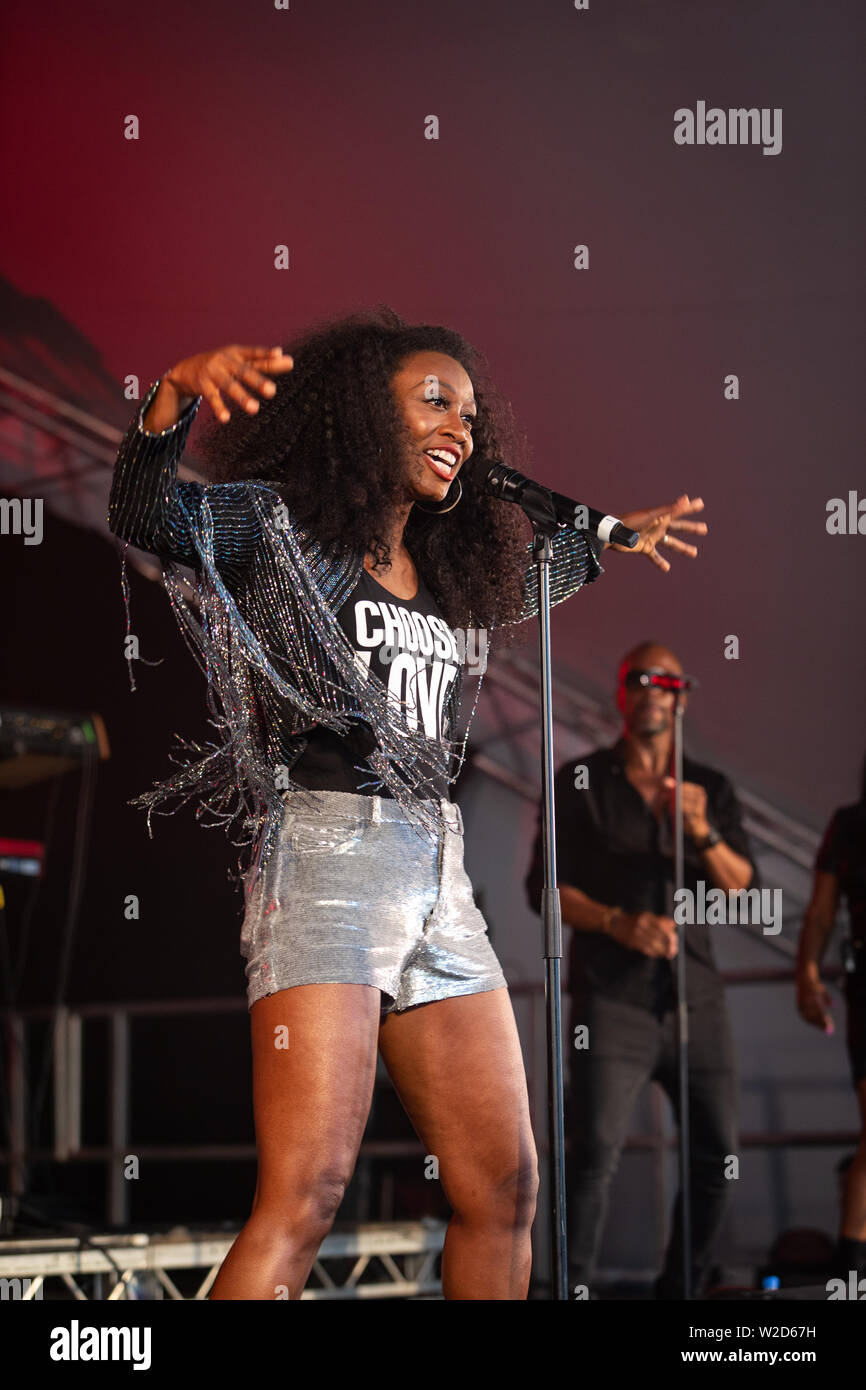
[
  {"x": 234, "y": 371},
  {"x": 655, "y": 524}
]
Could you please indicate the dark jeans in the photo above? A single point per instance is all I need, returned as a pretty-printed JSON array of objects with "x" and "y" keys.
[{"x": 628, "y": 1046}]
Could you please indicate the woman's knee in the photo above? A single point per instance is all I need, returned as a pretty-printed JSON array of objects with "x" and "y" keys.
[
  {"x": 302, "y": 1211},
  {"x": 504, "y": 1197}
]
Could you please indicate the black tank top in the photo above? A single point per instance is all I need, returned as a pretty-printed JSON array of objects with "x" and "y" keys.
[{"x": 413, "y": 650}]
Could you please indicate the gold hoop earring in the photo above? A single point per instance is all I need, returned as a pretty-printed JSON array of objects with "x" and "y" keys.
[{"x": 438, "y": 510}]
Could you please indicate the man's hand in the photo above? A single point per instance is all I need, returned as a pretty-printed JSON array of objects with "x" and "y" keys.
[
  {"x": 813, "y": 1002},
  {"x": 694, "y": 799},
  {"x": 645, "y": 932}
]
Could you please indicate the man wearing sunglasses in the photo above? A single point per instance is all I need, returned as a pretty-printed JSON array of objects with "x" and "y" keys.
[{"x": 615, "y": 870}]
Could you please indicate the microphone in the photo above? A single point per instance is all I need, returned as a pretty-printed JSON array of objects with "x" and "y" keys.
[{"x": 540, "y": 504}]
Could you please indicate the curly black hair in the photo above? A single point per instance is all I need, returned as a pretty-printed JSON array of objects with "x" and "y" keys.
[{"x": 331, "y": 442}]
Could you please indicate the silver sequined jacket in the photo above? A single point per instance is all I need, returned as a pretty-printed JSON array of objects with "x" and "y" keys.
[{"x": 259, "y": 615}]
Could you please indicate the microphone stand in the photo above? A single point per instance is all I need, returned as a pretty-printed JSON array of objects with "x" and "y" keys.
[
  {"x": 682, "y": 1005},
  {"x": 549, "y": 512},
  {"x": 551, "y": 926}
]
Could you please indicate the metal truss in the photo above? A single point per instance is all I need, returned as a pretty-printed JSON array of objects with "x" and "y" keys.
[
  {"x": 388, "y": 1260},
  {"x": 56, "y": 451}
]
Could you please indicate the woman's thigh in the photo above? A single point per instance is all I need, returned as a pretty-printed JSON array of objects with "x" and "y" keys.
[
  {"x": 457, "y": 1067},
  {"x": 314, "y": 1066}
]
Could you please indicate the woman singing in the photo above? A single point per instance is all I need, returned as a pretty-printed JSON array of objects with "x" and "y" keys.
[{"x": 348, "y": 574}]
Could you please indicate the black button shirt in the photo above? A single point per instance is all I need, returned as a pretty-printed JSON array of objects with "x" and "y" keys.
[{"x": 611, "y": 846}]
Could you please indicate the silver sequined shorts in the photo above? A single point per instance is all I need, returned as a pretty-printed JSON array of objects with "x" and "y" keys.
[{"x": 352, "y": 894}]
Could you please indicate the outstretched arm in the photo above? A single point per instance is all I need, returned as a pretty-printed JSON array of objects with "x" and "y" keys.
[
  {"x": 148, "y": 505},
  {"x": 576, "y": 553}
]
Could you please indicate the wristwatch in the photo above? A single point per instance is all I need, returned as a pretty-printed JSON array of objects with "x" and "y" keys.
[{"x": 711, "y": 839}]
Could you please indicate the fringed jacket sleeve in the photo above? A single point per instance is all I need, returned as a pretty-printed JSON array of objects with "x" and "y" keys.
[
  {"x": 152, "y": 509},
  {"x": 575, "y": 563}
]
